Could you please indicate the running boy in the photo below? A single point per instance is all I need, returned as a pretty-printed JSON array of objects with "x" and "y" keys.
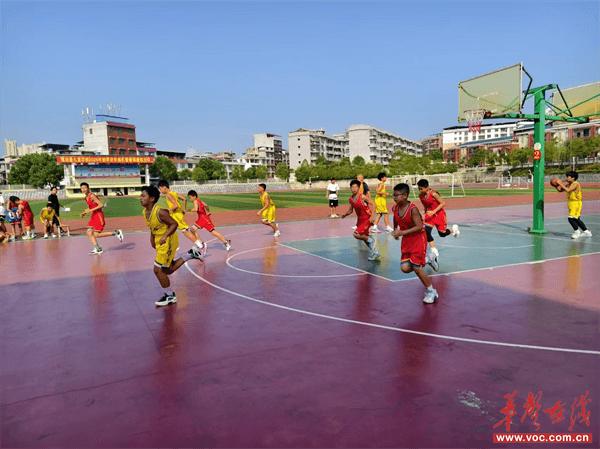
[
  {"x": 363, "y": 206},
  {"x": 47, "y": 218},
  {"x": 178, "y": 214},
  {"x": 435, "y": 216},
  {"x": 381, "y": 208},
  {"x": 574, "y": 203},
  {"x": 268, "y": 210},
  {"x": 204, "y": 220},
  {"x": 24, "y": 211},
  {"x": 163, "y": 238},
  {"x": 408, "y": 224},
  {"x": 97, "y": 222}
]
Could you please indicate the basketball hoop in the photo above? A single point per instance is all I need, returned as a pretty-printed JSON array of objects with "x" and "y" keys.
[{"x": 474, "y": 119}]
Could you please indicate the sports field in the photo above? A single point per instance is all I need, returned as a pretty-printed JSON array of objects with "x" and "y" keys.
[{"x": 130, "y": 206}]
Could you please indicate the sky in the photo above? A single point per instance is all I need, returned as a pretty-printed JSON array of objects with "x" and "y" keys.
[{"x": 208, "y": 75}]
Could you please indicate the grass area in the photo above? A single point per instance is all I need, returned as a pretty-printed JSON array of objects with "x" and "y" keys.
[{"x": 130, "y": 206}]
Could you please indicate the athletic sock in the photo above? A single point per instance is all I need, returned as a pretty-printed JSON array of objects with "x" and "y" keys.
[
  {"x": 199, "y": 243},
  {"x": 430, "y": 288}
]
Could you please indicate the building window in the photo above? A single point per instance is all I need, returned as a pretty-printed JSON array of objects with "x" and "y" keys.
[
  {"x": 586, "y": 132},
  {"x": 91, "y": 131}
]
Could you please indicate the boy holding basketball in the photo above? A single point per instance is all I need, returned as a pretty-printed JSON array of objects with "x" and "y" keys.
[
  {"x": 204, "y": 221},
  {"x": 408, "y": 224},
  {"x": 435, "y": 216},
  {"x": 363, "y": 206},
  {"x": 574, "y": 203}
]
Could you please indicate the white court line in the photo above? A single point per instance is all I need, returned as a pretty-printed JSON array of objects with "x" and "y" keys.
[
  {"x": 230, "y": 265},
  {"x": 339, "y": 263},
  {"x": 544, "y": 236},
  {"x": 484, "y": 247},
  {"x": 391, "y": 328}
]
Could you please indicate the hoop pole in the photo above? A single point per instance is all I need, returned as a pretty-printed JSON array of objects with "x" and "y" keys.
[{"x": 539, "y": 137}]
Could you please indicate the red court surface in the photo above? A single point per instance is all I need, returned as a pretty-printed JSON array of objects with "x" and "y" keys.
[{"x": 282, "y": 348}]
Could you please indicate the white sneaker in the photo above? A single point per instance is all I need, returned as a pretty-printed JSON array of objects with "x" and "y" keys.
[
  {"x": 96, "y": 251},
  {"x": 576, "y": 234},
  {"x": 430, "y": 296},
  {"x": 277, "y": 233},
  {"x": 389, "y": 229},
  {"x": 435, "y": 252},
  {"x": 227, "y": 245},
  {"x": 195, "y": 253},
  {"x": 587, "y": 233},
  {"x": 374, "y": 228},
  {"x": 354, "y": 228},
  {"x": 455, "y": 230},
  {"x": 201, "y": 249},
  {"x": 53, "y": 236},
  {"x": 119, "y": 235},
  {"x": 45, "y": 236},
  {"x": 432, "y": 261},
  {"x": 166, "y": 300},
  {"x": 373, "y": 255}
]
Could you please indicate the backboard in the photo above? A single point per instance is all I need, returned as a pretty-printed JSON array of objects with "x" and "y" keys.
[
  {"x": 497, "y": 93},
  {"x": 578, "y": 94}
]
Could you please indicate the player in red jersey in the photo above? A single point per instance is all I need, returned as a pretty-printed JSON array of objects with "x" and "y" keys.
[
  {"x": 363, "y": 206},
  {"x": 26, "y": 215},
  {"x": 435, "y": 216},
  {"x": 408, "y": 224},
  {"x": 97, "y": 222},
  {"x": 204, "y": 221}
]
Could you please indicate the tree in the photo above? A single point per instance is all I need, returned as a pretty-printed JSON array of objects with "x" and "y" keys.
[
  {"x": 238, "y": 173},
  {"x": 185, "y": 174},
  {"x": 358, "y": 160},
  {"x": 199, "y": 175},
  {"x": 37, "y": 170},
  {"x": 213, "y": 169},
  {"x": 261, "y": 172},
  {"x": 321, "y": 160},
  {"x": 436, "y": 155},
  {"x": 163, "y": 168},
  {"x": 282, "y": 171},
  {"x": 477, "y": 158}
]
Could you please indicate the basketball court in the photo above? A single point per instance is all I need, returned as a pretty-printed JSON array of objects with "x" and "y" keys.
[{"x": 300, "y": 341}]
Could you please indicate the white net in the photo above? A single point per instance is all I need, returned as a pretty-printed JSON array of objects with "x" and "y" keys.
[{"x": 474, "y": 119}]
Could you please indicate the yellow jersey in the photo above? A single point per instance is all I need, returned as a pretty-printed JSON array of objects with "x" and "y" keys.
[
  {"x": 173, "y": 201},
  {"x": 263, "y": 200},
  {"x": 47, "y": 215},
  {"x": 383, "y": 191},
  {"x": 157, "y": 227},
  {"x": 575, "y": 195}
]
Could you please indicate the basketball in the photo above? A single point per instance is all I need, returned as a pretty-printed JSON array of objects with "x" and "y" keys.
[{"x": 554, "y": 182}]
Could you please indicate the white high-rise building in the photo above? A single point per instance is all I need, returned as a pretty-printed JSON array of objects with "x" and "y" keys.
[
  {"x": 308, "y": 144},
  {"x": 454, "y": 136},
  {"x": 378, "y": 146},
  {"x": 268, "y": 151}
]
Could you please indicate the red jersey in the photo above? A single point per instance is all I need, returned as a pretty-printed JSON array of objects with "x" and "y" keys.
[
  {"x": 431, "y": 203},
  {"x": 363, "y": 214},
  {"x": 26, "y": 213},
  {"x": 361, "y": 207},
  {"x": 201, "y": 209},
  {"x": 96, "y": 222},
  {"x": 413, "y": 246}
]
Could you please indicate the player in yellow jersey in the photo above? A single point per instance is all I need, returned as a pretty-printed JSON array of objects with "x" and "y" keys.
[
  {"x": 163, "y": 238},
  {"x": 177, "y": 213},
  {"x": 268, "y": 210},
  {"x": 381, "y": 209},
  {"x": 47, "y": 219},
  {"x": 574, "y": 203}
]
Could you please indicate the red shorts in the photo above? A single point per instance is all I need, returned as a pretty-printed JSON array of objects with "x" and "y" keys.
[
  {"x": 438, "y": 220},
  {"x": 97, "y": 222},
  {"x": 27, "y": 219},
  {"x": 205, "y": 222},
  {"x": 363, "y": 225},
  {"x": 414, "y": 248}
]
